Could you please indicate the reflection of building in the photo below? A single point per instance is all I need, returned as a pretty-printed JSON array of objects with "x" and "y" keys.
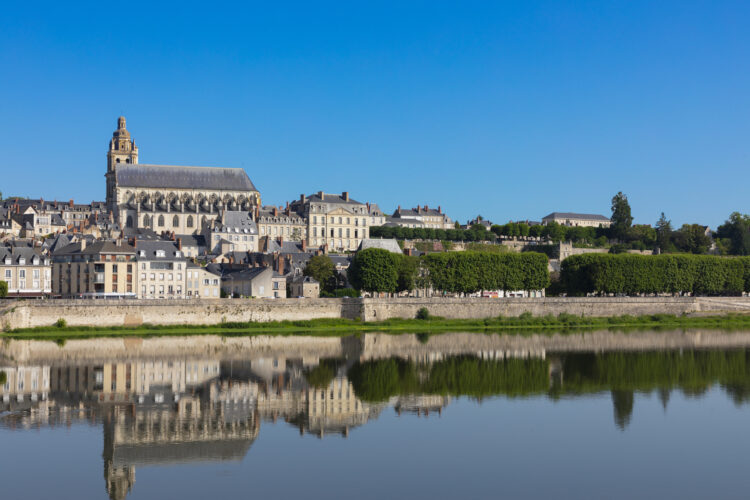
[{"x": 24, "y": 386}]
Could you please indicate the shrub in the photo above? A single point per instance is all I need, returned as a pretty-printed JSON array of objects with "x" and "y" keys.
[
  {"x": 3, "y": 289},
  {"x": 423, "y": 313},
  {"x": 61, "y": 323}
]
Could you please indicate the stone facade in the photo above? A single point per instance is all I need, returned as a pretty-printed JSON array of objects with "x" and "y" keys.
[
  {"x": 335, "y": 222},
  {"x": 170, "y": 198},
  {"x": 27, "y": 272}
]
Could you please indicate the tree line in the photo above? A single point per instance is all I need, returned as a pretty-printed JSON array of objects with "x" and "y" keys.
[
  {"x": 377, "y": 270},
  {"x": 654, "y": 274},
  {"x": 731, "y": 238}
]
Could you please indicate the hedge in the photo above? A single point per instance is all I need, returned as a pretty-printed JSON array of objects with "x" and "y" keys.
[
  {"x": 469, "y": 272},
  {"x": 636, "y": 274}
]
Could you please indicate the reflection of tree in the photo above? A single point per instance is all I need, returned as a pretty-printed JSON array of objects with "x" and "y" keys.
[
  {"x": 321, "y": 375},
  {"x": 664, "y": 397},
  {"x": 623, "y": 404}
]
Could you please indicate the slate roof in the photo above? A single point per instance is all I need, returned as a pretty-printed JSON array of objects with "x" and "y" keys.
[
  {"x": 146, "y": 250},
  {"x": 17, "y": 253},
  {"x": 96, "y": 248},
  {"x": 331, "y": 198},
  {"x": 236, "y": 221},
  {"x": 179, "y": 177},
  {"x": 385, "y": 244},
  {"x": 573, "y": 215}
]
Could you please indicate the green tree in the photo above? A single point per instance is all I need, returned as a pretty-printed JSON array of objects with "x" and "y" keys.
[
  {"x": 621, "y": 218},
  {"x": 737, "y": 230},
  {"x": 322, "y": 269},
  {"x": 3, "y": 289},
  {"x": 664, "y": 233},
  {"x": 375, "y": 270},
  {"x": 692, "y": 238}
]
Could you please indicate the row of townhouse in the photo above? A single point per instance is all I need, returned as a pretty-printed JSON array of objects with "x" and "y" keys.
[{"x": 117, "y": 269}]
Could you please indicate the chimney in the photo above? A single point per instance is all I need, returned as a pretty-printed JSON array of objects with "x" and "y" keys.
[
  {"x": 304, "y": 245},
  {"x": 55, "y": 204},
  {"x": 281, "y": 241},
  {"x": 287, "y": 208},
  {"x": 275, "y": 211},
  {"x": 70, "y": 203},
  {"x": 368, "y": 206},
  {"x": 426, "y": 208},
  {"x": 440, "y": 210},
  {"x": 345, "y": 195},
  {"x": 399, "y": 209},
  {"x": 83, "y": 244},
  {"x": 171, "y": 236},
  {"x": 223, "y": 216},
  {"x": 134, "y": 242},
  {"x": 280, "y": 264},
  {"x": 322, "y": 195},
  {"x": 179, "y": 243},
  {"x": 302, "y": 199}
]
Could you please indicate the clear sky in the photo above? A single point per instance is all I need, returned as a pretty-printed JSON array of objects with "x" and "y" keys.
[{"x": 511, "y": 110}]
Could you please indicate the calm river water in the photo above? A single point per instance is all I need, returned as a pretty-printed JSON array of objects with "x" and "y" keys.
[{"x": 601, "y": 415}]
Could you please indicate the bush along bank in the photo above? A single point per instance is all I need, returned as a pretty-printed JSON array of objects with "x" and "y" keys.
[{"x": 638, "y": 274}]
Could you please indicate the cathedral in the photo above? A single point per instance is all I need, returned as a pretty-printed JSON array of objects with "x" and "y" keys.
[{"x": 168, "y": 197}]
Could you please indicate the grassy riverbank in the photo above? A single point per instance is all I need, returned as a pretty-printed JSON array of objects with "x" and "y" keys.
[{"x": 524, "y": 324}]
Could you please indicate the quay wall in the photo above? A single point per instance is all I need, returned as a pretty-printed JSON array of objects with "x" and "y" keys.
[{"x": 36, "y": 313}]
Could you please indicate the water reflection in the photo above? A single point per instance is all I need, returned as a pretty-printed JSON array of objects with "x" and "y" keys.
[{"x": 165, "y": 402}]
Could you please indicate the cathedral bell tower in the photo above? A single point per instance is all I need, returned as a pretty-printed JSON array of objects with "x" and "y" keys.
[{"x": 122, "y": 149}]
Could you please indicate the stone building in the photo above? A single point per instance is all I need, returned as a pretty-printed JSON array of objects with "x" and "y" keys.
[
  {"x": 574, "y": 219},
  {"x": 168, "y": 197},
  {"x": 425, "y": 217},
  {"x": 27, "y": 272},
  {"x": 275, "y": 222},
  {"x": 335, "y": 222},
  {"x": 233, "y": 231},
  {"x": 304, "y": 286},
  {"x": 101, "y": 269}
]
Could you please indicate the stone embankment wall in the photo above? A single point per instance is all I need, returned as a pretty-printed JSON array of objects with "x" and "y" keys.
[
  {"x": 30, "y": 313},
  {"x": 381, "y": 309}
]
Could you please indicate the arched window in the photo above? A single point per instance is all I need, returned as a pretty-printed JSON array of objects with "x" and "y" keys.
[
  {"x": 145, "y": 221},
  {"x": 190, "y": 221},
  {"x": 129, "y": 221},
  {"x": 203, "y": 221},
  {"x": 161, "y": 221},
  {"x": 127, "y": 160},
  {"x": 175, "y": 221},
  {"x": 117, "y": 160}
]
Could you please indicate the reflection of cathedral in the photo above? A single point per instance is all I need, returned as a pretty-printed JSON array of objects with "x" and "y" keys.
[{"x": 180, "y": 410}]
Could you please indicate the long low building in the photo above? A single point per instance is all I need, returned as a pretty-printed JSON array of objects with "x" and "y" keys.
[{"x": 576, "y": 219}]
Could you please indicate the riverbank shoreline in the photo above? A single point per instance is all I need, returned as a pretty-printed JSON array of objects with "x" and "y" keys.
[{"x": 337, "y": 327}]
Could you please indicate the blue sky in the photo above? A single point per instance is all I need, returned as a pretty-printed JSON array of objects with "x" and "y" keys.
[{"x": 506, "y": 109}]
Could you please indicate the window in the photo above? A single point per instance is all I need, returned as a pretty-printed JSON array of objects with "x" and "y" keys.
[
  {"x": 22, "y": 273},
  {"x": 146, "y": 222},
  {"x": 175, "y": 221},
  {"x": 161, "y": 221},
  {"x": 161, "y": 276},
  {"x": 8, "y": 274},
  {"x": 129, "y": 222},
  {"x": 114, "y": 268},
  {"x": 153, "y": 276}
]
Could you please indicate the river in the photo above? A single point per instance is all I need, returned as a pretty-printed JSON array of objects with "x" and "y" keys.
[{"x": 592, "y": 415}]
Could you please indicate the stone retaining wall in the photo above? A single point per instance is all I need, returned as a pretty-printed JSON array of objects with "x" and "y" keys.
[{"x": 35, "y": 313}]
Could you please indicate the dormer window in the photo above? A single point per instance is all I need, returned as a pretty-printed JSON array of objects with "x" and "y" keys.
[
  {"x": 178, "y": 254},
  {"x": 160, "y": 253},
  {"x": 22, "y": 261},
  {"x": 7, "y": 261},
  {"x": 142, "y": 253}
]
